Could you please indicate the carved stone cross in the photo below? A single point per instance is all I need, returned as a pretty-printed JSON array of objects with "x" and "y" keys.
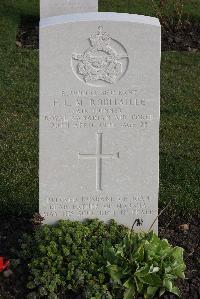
[{"x": 98, "y": 156}]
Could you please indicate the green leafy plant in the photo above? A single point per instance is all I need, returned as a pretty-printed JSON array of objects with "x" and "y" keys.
[
  {"x": 99, "y": 261},
  {"x": 144, "y": 264},
  {"x": 68, "y": 256}
]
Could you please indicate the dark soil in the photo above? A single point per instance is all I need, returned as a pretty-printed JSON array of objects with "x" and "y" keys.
[
  {"x": 181, "y": 38},
  {"x": 184, "y": 37},
  {"x": 28, "y": 35},
  {"x": 185, "y": 232},
  {"x": 180, "y": 231}
]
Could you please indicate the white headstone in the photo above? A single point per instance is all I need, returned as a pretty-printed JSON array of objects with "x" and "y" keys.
[
  {"x": 49, "y": 8},
  {"x": 99, "y": 118}
]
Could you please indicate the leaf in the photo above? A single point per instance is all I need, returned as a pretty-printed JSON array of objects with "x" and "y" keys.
[
  {"x": 154, "y": 239},
  {"x": 139, "y": 285},
  {"x": 176, "y": 291},
  {"x": 127, "y": 270},
  {"x": 129, "y": 293},
  {"x": 170, "y": 276},
  {"x": 151, "y": 291},
  {"x": 165, "y": 244},
  {"x": 181, "y": 275},
  {"x": 129, "y": 283},
  {"x": 167, "y": 284},
  {"x": 168, "y": 269},
  {"x": 120, "y": 251},
  {"x": 115, "y": 272},
  {"x": 179, "y": 271},
  {"x": 148, "y": 278},
  {"x": 151, "y": 279},
  {"x": 143, "y": 271},
  {"x": 109, "y": 253},
  {"x": 154, "y": 269},
  {"x": 177, "y": 253},
  {"x": 162, "y": 291},
  {"x": 139, "y": 254}
]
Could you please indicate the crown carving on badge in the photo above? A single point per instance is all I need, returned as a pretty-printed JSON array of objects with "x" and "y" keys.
[{"x": 100, "y": 39}]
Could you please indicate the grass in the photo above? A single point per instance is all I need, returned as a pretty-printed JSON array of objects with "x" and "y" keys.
[
  {"x": 19, "y": 117},
  {"x": 180, "y": 131},
  {"x": 191, "y": 8},
  {"x": 19, "y": 88}
]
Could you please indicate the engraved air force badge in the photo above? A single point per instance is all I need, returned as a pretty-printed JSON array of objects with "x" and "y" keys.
[{"x": 106, "y": 60}]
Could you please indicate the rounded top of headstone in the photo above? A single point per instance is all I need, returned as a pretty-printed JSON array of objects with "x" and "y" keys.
[{"x": 99, "y": 16}]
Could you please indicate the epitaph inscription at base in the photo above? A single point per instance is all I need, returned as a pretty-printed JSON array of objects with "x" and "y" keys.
[{"x": 99, "y": 119}]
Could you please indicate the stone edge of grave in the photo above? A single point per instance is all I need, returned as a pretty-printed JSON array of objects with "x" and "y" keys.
[{"x": 99, "y": 16}]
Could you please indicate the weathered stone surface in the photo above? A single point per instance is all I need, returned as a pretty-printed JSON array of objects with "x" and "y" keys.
[
  {"x": 49, "y": 8},
  {"x": 99, "y": 118}
]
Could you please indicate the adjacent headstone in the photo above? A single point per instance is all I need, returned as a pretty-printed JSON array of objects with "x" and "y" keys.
[
  {"x": 99, "y": 118},
  {"x": 49, "y": 8}
]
